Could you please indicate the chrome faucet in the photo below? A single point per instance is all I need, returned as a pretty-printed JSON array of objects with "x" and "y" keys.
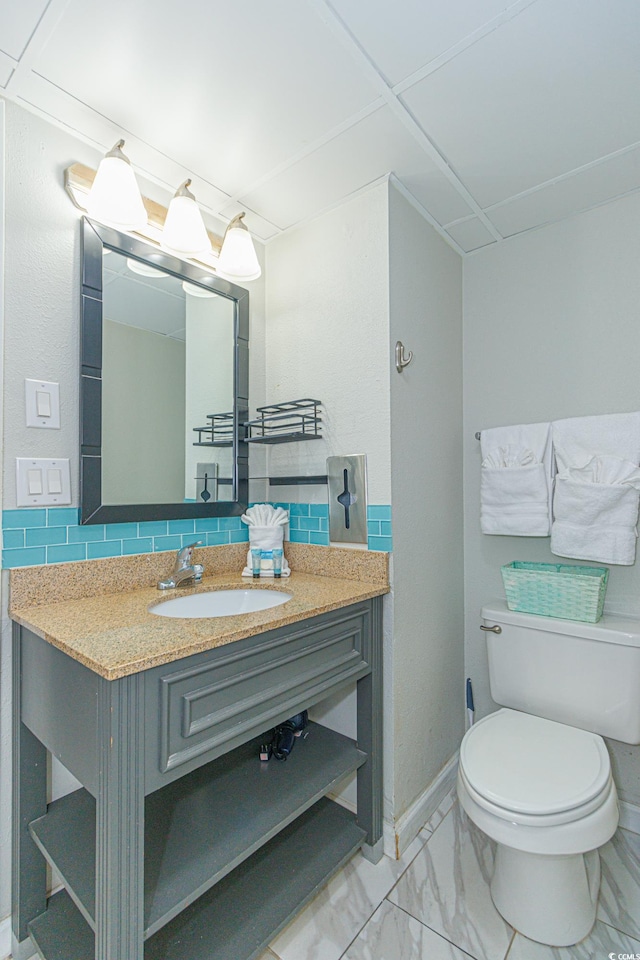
[{"x": 184, "y": 568}]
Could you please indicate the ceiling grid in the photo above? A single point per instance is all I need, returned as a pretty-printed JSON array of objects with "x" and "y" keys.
[{"x": 492, "y": 118}]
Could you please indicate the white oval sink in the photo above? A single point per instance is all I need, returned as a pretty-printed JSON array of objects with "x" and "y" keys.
[{"x": 220, "y": 603}]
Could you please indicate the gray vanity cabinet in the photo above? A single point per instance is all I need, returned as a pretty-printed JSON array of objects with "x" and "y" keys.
[{"x": 181, "y": 845}]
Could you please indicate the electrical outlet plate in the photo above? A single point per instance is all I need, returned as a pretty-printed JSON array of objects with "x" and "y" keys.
[{"x": 347, "y": 482}]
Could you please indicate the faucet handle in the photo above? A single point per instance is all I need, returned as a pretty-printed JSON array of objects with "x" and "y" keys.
[{"x": 184, "y": 554}]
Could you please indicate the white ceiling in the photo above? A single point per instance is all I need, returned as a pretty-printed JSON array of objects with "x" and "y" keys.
[{"x": 494, "y": 117}]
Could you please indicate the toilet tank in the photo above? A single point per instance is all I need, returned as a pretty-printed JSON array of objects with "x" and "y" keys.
[{"x": 583, "y": 674}]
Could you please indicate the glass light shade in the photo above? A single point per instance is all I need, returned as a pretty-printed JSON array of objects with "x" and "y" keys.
[
  {"x": 114, "y": 198},
  {"x": 184, "y": 232},
  {"x": 238, "y": 259},
  {"x": 145, "y": 270},
  {"x": 193, "y": 290}
]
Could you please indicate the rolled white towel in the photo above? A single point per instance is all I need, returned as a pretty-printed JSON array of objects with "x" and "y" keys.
[{"x": 265, "y": 515}]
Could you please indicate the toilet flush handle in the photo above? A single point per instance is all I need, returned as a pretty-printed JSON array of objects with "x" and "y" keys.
[{"x": 496, "y": 629}]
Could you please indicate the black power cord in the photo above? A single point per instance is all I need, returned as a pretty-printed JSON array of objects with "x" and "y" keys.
[{"x": 284, "y": 737}]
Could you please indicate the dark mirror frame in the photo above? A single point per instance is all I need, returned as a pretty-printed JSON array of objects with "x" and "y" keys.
[{"x": 95, "y": 237}]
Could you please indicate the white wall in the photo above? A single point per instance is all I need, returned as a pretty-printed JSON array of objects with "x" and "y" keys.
[
  {"x": 42, "y": 295},
  {"x": 425, "y": 280},
  {"x": 340, "y": 291},
  {"x": 551, "y": 330},
  {"x": 327, "y": 303},
  {"x": 327, "y": 338}
]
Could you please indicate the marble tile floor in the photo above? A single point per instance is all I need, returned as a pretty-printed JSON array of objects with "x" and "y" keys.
[{"x": 434, "y": 904}]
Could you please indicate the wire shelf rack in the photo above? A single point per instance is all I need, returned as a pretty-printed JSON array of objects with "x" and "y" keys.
[
  {"x": 217, "y": 433},
  {"x": 286, "y": 422}
]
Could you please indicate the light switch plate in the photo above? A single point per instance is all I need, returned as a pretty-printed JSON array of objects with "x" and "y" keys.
[
  {"x": 42, "y": 404},
  {"x": 51, "y": 476}
]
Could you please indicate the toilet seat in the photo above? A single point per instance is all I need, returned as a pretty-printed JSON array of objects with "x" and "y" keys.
[
  {"x": 537, "y": 820},
  {"x": 534, "y": 771}
]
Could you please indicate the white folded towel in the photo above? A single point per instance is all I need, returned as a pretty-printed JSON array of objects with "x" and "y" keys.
[
  {"x": 577, "y": 440},
  {"x": 266, "y": 532},
  {"x": 597, "y": 492},
  {"x": 516, "y": 480}
]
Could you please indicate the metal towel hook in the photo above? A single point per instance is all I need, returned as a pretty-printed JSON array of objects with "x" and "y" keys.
[{"x": 401, "y": 360}]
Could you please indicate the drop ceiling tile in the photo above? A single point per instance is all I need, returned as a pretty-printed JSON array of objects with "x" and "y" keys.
[
  {"x": 7, "y": 66},
  {"x": 596, "y": 185},
  {"x": 73, "y": 114},
  {"x": 228, "y": 90},
  {"x": 372, "y": 148},
  {"x": 18, "y": 20},
  {"x": 403, "y": 36},
  {"x": 551, "y": 90},
  {"x": 470, "y": 234}
]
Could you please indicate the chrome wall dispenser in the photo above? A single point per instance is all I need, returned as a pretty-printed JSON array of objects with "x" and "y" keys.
[{"x": 347, "y": 481}]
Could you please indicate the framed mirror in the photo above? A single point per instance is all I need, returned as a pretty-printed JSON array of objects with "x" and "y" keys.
[{"x": 164, "y": 385}]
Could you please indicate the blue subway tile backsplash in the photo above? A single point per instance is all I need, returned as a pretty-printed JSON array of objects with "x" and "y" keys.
[
  {"x": 117, "y": 531},
  {"x": 33, "y": 537},
  {"x": 152, "y": 528},
  {"x": 62, "y": 553},
  {"x": 26, "y": 518},
  {"x": 379, "y": 512},
  {"x": 182, "y": 526},
  {"x": 106, "y": 548},
  {"x": 167, "y": 543},
  {"x": 86, "y": 533},
  {"x": 309, "y": 523},
  {"x": 40, "y": 536},
  {"x": 13, "y": 538},
  {"x": 30, "y": 557}
]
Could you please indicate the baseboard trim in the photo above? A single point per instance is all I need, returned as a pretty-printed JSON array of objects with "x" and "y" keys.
[
  {"x": 398, "y": 836},
  {"x": 629, "y": 816},
  {"x": 5, "y": 938}
]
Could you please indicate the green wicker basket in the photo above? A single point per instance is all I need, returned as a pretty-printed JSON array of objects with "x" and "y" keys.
[{"x": 559, "y": 590}]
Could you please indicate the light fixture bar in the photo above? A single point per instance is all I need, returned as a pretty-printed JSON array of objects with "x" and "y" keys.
[{"x": 78, "y": 180}]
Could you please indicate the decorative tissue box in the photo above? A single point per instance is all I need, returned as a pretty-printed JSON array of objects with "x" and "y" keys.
[{"x": 562, "y": 590}]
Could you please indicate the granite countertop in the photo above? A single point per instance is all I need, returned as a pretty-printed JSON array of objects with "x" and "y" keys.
[{"x": 115, "y": 635}]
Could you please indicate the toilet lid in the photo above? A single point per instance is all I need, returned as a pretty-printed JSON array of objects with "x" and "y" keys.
[{"x": 530, "y": 765}]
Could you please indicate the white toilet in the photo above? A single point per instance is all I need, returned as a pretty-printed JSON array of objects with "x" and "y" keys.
[{"x": 536, "y": 777}]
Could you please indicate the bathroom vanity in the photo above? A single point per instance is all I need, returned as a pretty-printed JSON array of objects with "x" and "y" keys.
[{"x": 181, "y": 843}]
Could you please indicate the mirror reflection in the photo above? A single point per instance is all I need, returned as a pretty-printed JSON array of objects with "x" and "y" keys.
[{"x": 167, "y": 387}]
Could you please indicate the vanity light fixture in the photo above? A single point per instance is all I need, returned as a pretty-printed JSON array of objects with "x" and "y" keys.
[
  {"x": 114, "y": 198},
  {"x": 180, "y": 230},
  {"x": 238, "y": 259},
  {"x": 184, "y": 233}
]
